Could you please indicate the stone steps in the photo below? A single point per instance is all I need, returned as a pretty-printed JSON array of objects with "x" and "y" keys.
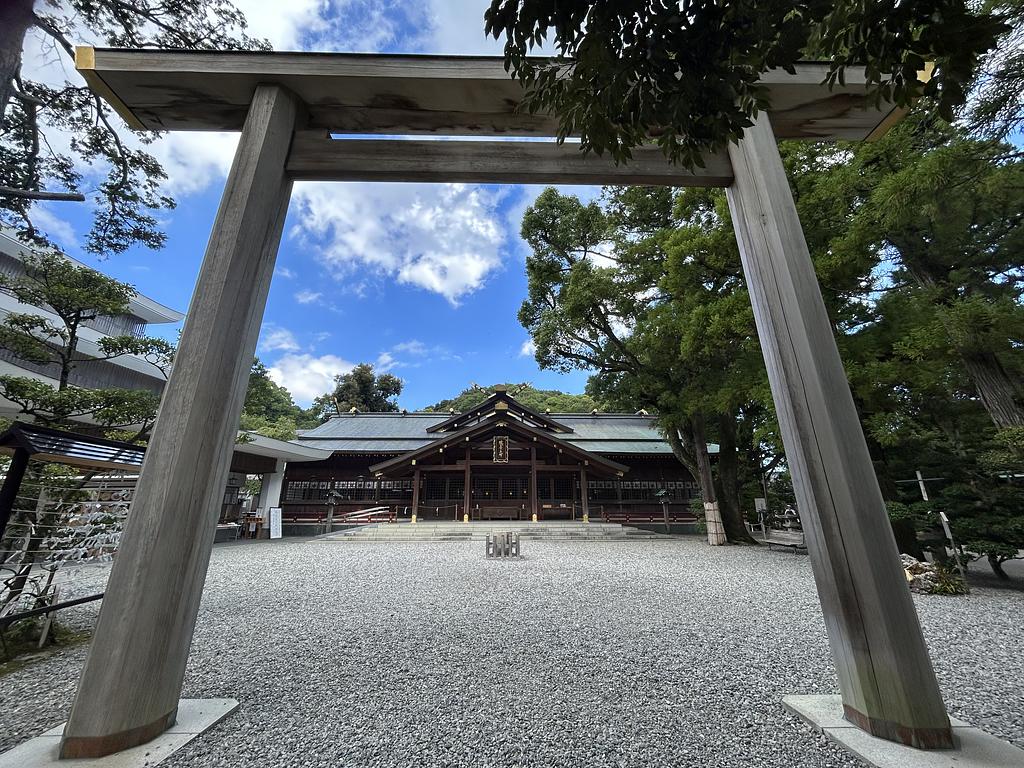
[{"x": 440, "y": 532}]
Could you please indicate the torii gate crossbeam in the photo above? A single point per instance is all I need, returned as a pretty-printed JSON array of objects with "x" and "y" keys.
[{"x": 287, "y": 107}]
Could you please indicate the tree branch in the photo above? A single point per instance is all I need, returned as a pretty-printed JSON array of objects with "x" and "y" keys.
[{"x": 31, "y": 194}]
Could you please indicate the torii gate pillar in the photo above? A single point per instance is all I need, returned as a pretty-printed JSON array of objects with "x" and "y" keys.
[
  {"x": 885, "y": 675},
  {"x": 129, "y": 690}
]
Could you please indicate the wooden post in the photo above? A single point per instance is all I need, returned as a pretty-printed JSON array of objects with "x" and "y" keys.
[
  {"x": 583, "y": 495},
  {"x": 534, "y": 511},
  {"x": 129, "y": 689},
  {"x": 415, "y": 494},
  {"x": 885, "y": 675},
  {"x": 11, "y": 486},
  {"x": 467, "y": 495}
]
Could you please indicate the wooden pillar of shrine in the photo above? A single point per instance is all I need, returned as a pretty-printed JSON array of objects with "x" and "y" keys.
[
  {"x": 416, "y": 492},
  {"x": 584, "y": 501},
  {"x": 885, "y": 676},
  {"x": 534, "y": 506},
  {"x": 467, "y": 488}
]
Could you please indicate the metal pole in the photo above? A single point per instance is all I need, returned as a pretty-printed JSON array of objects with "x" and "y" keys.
[
  {"x": 920, "y": 484},
  {"x": 12, "y": 484}
]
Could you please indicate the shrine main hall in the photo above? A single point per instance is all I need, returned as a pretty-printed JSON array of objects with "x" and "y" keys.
[{"x": 499, "y": 460}]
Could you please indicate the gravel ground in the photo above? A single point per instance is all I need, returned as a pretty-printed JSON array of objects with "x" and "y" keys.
[{"x": 584, "y": 654}]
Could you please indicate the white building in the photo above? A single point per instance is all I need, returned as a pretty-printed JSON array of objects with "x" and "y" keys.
[{"x": 126, "y": 371}]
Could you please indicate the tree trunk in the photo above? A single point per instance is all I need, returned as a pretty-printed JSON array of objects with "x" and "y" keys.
[
  {"x": 67, "y": 360},
  {"x": 1000, "y": 393},
  {"x": 712, "y": 514},
  {"x": 15, "y": 19},
  {"x": 728, "y": 480},
  {"x": 692, "y": 453},
  {"x": 997, "y": 567},
  {"x": 680, "y": 440},
  {"x": 705, "y": 478}
]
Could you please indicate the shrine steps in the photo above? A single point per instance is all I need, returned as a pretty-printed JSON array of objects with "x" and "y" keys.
[{"x": 477, "y": 531}]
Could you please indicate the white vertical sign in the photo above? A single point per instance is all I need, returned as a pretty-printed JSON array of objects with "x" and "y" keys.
[{"x": 275, "y": 522}]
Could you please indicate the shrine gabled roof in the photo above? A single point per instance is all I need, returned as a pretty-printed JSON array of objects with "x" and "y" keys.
[
  {"x": 606, "y": 433},
  {"x": 499, "y": 401},
  {"x": 497, "y": 422}
]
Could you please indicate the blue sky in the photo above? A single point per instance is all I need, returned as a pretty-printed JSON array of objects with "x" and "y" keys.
[{"x": 421, "y": 280}]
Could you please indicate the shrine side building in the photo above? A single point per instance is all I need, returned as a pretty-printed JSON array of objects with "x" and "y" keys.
[{"x": 499, "y": 460}]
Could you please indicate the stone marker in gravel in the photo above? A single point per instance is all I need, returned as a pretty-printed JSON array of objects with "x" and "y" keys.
[{"x": 646, "y": 653}]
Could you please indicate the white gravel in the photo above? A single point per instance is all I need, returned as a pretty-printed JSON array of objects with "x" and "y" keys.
[{"x": 584, "y": 654}]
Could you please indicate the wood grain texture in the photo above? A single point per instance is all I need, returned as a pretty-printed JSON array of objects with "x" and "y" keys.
[
  {"x": 408, "y": 94},
  {"x": 316, "y": 156},
  {"x": 884, "y": 671},
  {"x": 133, "y": 675}
]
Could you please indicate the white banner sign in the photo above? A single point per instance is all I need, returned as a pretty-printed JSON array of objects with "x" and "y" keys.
[{"x": 275, "y": 522}]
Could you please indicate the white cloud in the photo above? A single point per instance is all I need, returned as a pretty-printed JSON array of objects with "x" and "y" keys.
[
  {"x": 444, "y": 238},
  {"x": 385, "y": 362},
  {"x": 307, "y": 296},
  {"x": 284, "y": 272},
  {"x": 277, "y": 339},
  {"x": 412, "y": 347},
  {"x": 457, "y": 26},
  {"x": 60, "y": 231},
  {"x": 528, "y": 349},
  {"x": 307, "y": 376},
  {"x": 397, "y": 356},
  {"x": 193, "y": 161},
  {"x": 283, "y": 23}
]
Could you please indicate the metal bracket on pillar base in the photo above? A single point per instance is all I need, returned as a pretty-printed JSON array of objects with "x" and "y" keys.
[
  {"x": 191, "y": 718},
  {"x": 969, "y": 747}
]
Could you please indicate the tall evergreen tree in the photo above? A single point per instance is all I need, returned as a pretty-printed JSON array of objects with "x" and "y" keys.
[{"x": 361, "y": 389}]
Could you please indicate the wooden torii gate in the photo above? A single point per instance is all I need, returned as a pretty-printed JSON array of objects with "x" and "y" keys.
[{"x": 288, "y": 107}]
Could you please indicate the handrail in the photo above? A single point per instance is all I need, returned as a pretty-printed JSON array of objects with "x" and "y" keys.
[
  {"x": 10, "y": 618},
  {"x": 360, "y": 513}
]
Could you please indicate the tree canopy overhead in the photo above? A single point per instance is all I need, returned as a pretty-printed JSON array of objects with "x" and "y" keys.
[
  {"x": 61, "y": 141},
  {"x": 686, "y": 73}
]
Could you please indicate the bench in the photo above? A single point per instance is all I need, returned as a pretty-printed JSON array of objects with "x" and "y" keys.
[{"x": 790, "y": 536}]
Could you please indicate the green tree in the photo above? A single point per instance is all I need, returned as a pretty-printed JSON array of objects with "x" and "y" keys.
[
  {"x": 540, "y": 400},
  {"x": 361, "y": 389},
  {"x": 70, "y": 297},
  {"x": 38, "y": 119},
  {"x": 602, "y": 296},
  {"x": 943, "y": 213},
  {"x": 63, "y": 298},
  {"x": 269, "y": 408},
  {"x": 996, "y": 107},
  {"x": 686, "y": 75}
]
